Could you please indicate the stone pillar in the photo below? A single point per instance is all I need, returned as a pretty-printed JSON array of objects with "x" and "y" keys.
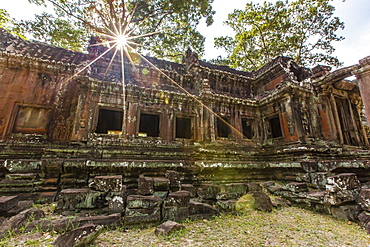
[{"x": 363, "y": 76}]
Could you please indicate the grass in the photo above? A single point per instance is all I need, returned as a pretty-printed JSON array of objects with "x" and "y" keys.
[{"x": 284, "y": 227}]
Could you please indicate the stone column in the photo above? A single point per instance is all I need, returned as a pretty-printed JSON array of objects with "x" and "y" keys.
[{"x": 363, "y": 76}]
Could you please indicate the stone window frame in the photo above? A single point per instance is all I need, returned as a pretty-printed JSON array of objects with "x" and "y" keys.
[
  {"x": 253, "y": 122},
  {"x": 268, "y": 118},
  {"x": 192, "y": 127},
  {"x": 97, "y": 113},
  {"x": 230, "y": 121},
  {"x": 14, "y": 114},
  {"x": 150, "y": 111}
]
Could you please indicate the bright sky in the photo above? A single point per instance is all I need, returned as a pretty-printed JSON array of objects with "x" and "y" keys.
[{"x": 354, "y": 13}]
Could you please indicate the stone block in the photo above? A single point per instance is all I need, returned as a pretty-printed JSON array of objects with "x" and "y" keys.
[
  {"x": 315, "y": 196},
  {"x": 346, "y": 212},
  {"x": 253, "y": 186},
  {"x": 254, "y": 200},
  {"x": 52, "y": 166},
  {"x": 107, "y": 183},
  {"x": 178, "y": 199},
  {"x": 191, "y": 188},
  {"x": 228, "y": 205},
  {"x": 22, "y": 176},
  {"x": 82, "y": 236},
  {"x": 309, "y": 166},
  {"x": 8, "y": 202},
  {"x": 201, "y": 208},
  {"x": 364, "y": 218},
  {"x": 146, "y": 202},
  {"x": 327, "y": 166},
  {"x": 340, "y": 197},
  {"x": 364, "y": 199},
  {"x": 19, "y": 220},
  {"x": 296, "y": 187},
  {"x": 71, "y": 199},
  {"x": 65, "y": 224},
  {"x": 319, "y": 179},
  {"x": 232, "y": 191},
  {"x": 142, "y": 215},
  {"x": 208, "y": 191},
  {"x": 268, "y": 184},
  {"x": 161, "y": 184},
  {"x": 23, "y": 166},
  {"x": 175, "y": 213},
  {"x": 174, "y": 178},
  {"x": 145, "y": 185},
  {"x": 117, "y": 204},
  {"x": 343, "y": 181},
  {"x": 161, "y": 194},
  {"x": 279, "y": 202},
  {"x": 21, "y": 206},
  {"x": 274, "y": 188},
  {"x": 167, "y": 228}
]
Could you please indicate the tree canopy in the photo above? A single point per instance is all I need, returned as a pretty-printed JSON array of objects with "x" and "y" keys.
[
  {"x": 172, "y": 23},
  {"x": 301, "y": 29}
]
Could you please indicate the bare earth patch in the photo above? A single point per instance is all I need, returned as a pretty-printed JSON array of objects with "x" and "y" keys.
[{"x": 285, "y": 227}]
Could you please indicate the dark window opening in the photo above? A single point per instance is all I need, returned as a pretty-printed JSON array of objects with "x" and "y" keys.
[
  {"x": 247, "y": 128},
  {"x": 183, "y": 128},
  {"x": 275, "y": 127},
  {"x": 223, "y": 129},
  {"x": 109, "y": 122},
  {"x": 149, "y": 125}
]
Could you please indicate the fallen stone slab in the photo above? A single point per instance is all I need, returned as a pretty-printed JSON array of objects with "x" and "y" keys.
[
  {"x": 16, "y": 222},
  {"x": 254, "y": 200},
  {"x": 175, "y": 213},
  {"x": 340, "y": 197},
  {"x": 161, "y": 184},
  {"x": 191, "y": 188},
  {"x": 228, "y": 205},
  {"x": 82, "y": 236},
  {"x": 208, "y": 191},
  {"x": 202, "y": 208},
  {"x": 296, "y": 187},
  {"x": 66, "y": 224},
  {"x": 71, "y": 199},
  {"x": 22, "y": 205},
  {"x": 319, "y": 179},
  {"x": 346, "y": 212},
  {"x": 117, "y": 204},
  {"x": 364, "y": 218},
  {"x": 167, "y": 228},
  {"x": 139, "y": 201},
  {"x": 174, "y": 178},
  {"x": 8, "y": 202},
  {"x": 145, "y": 185},
  {"x": 343, "y": 181},
  {"x": 178, "y": 199},
  {"x": 364, "y": 199},
  {"x": 253, "y": 186},
  {"x": 142, "y": 215},
  {"x": 107, "y": 183},
  {"x": 279, "y": 202}
]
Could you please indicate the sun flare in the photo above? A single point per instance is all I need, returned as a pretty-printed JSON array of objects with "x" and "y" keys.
[{"x": 121, "y": 41}]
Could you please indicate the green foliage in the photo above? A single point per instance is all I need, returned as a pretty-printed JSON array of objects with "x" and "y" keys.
[
  {"x": 301, "y": 29},
  {"x": 172, "y": 22},
  {"x": 56, "y": 31},
  {"x": 10, "y": 24}
]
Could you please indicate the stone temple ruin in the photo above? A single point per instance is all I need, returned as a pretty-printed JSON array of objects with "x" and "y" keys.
[{"x": 302, "y": 134}]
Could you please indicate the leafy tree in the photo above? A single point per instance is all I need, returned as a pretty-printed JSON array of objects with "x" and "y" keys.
[
  {"x": 9, "y": 24},
  {"x": 172, "y": 23},
  {"x": 301, "y": 29}
]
